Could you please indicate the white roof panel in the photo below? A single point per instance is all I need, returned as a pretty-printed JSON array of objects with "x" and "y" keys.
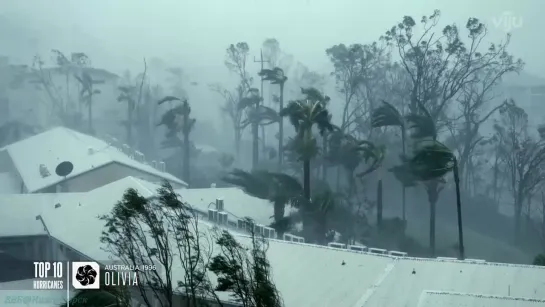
[
  {"x": 235, "y": 201},
  {"x": 454, "y": 299},
  {"x": 62, "y": 144},
  {"x": 447, "y": 275}
]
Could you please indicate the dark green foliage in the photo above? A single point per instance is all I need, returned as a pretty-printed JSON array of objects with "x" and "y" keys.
[
  {"x": 432, "y": 160},
  {"x": 386, "y": 115},
  {"x": 539, "y": 260},
  {"x": 163, "y": 232},
  {"x": 245, "y": 272}
]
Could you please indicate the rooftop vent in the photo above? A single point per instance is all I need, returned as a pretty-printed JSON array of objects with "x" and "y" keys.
[
  {"x": 57, "y": 205},
  {"x": 90, "y": 150},
  {"x": 213, "y": 186},
  {"x": 397, "y": 254},
  {"x": 161, "y": 166},
  {"x": 379, "y": 251},
  {"x": 446, "y": 258},
  {"x": 219, "y": 204},
  {"x": 212, "y": 215},
  {"x": 223, "y": 218},
  {"x": 357, "y": 248},
  {"x": 154, "y": 164},
  {"x": 287, "y": 237},
  {"x": 336, "y": 245},
  {"x": 44, "y": 172},
  {"x": 241, "y": 224}
]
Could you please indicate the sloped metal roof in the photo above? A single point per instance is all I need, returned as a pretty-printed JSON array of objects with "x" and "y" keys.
[
  {"x": 455, "y": 299},
  {"x": 62, "y": 144}
]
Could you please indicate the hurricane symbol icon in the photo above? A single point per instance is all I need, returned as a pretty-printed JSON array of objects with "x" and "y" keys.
[{"x": 85, "y": 275}]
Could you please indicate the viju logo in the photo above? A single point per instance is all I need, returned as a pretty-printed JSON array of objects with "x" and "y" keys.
[
  {"x": 85, "y": 275},
  {"x": 507, "y": 21}
]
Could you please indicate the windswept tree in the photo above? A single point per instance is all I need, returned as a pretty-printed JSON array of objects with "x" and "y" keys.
[
  {"x": 280, "y": 189},
  {"x": 388, "y": 116},
  {"x": 131, "y": 94},
  {"x": 230, "y": 107},
  {"x": 165, "y": 232},
  {"x": 177, "y": 120},
  {"x": 524, "y": 157},
  {"x": 86, "y": 94},
  {"x": 276, "y": 76},
  {"x": 431, "y": 161},
  {"x": 245, "y": 271},
  {"x": 304, "y": 115}
]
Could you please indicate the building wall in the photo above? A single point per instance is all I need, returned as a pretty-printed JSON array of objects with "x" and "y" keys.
[
  {"x": 10, "y": 174},
  {"x": 102, "y": 176}
]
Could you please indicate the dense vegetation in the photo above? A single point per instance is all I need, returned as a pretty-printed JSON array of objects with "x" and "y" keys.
[{"x": 405, "y": 127}]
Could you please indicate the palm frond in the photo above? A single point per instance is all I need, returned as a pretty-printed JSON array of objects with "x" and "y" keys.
[
  {"x": 432, "y": 160},
  {"x": 386, "y": 115},
  {"x": 168, "y": 99}
]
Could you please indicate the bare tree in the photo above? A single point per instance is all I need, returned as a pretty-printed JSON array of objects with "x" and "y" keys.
[
  {"x": 231, "y": 100},
  {"x": 474, "y": 101},
  {"x": 524, "y": 157},
  {"x": 439, "y": 67}
]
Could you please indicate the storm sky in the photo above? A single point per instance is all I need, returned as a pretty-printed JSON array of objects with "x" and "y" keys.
[
  {"x": 193, "y": 34},
  {"x": 196, "y": 32}
]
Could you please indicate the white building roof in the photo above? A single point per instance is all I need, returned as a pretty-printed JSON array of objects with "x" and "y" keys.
[
  {"x": 448, "y": 275},
  {"x": 438, "y": 299},
  {"x": 62, "y": 144},
  {"x": 306, "y": 275},
  {"x": 237, "y": 203}
]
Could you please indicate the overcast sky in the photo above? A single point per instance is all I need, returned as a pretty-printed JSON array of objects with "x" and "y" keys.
[
  {"x": 194, "y": 33},
  {"x": 198, "y": 31}
]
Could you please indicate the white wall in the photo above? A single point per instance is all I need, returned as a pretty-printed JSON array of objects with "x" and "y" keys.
[{"x": 102, "y": 176}]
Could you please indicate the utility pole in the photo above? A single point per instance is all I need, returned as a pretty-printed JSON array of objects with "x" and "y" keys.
[{"x": 255, "y": 149}]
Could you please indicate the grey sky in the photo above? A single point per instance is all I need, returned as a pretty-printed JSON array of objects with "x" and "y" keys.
[
  {"x": 198, "y": 30},
  {"x": 193, "y": 34}
]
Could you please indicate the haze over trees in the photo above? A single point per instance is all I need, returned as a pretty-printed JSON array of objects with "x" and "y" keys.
[{"x": 411, "y": 142}]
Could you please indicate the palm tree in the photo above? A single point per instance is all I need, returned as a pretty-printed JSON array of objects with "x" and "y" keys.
[
  {"x": 384, "y": 116},
  {"x": 178, "y": 120},
  {"x": 304, "y": 115},
  {"x": 432, "y": 161},
  {"x": 277, "y": 76},
  {"x": 86, "y": 95},
  {"x": 278, "y": 188}
]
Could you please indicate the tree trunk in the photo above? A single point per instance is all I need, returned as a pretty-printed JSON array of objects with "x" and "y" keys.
[
  {"x": 433, "y": 195},
  {"x": 306, "y": 178},
  {"x": 187, "y": 153},
  {"x": 129, "y": 123},
  {"x": 379, "y": 205},
  {"x": 306, "y": 218},
  {"x": 519, "y": 202},
  {"x": 404, "y": 188},
  {"x": 281, "y": 130},
  {"x": 255, "y": 145},
  {"x": 324, "y": 153},
  {"x": 461, "y": 250},
  {"x": 279, "y": 211},
  {"x": 90, "y": 115},
  {"x": 237, "y": 143}
]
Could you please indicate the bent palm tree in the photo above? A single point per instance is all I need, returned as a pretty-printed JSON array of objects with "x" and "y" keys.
[
  {"x": 86, "y": 95},
  {"x": 432, "y": 161},
  {"x": 278, "y": 188},
  {"x": 178, "y": 120},
  {"x": 387, "y": 116},
  {"x": 304, "y": 115}
]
